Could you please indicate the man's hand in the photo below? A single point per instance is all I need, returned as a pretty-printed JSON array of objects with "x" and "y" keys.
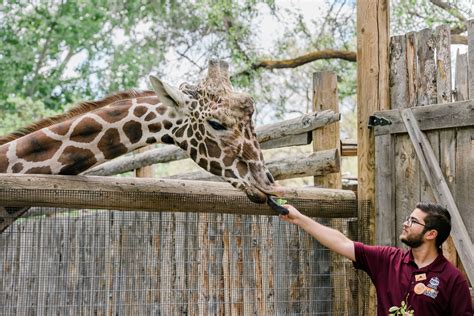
[{"x": 293, "y": 217}]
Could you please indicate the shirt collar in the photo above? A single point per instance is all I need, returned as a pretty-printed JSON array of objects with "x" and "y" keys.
[{"x": 436, "y": 266}]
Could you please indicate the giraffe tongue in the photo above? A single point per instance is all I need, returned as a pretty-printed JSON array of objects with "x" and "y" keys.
[{"x": 276, "y": 207}]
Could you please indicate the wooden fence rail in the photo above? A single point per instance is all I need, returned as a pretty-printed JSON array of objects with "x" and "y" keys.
[{"x": 147, "y": 194}]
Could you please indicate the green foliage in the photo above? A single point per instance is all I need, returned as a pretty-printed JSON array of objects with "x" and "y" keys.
[
  {"x": 402, "y": 310},
  {"x": 413, "y": 15},
  {"x": 17, "y": 111},
  {"x": 59, "y": 52}
]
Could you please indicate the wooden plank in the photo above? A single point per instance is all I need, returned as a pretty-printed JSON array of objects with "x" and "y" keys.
[
  {"x": 203, "y": 264},
  {"x": 412, "y": 71},
  {"x": 398, "y": 72},
  {"x": 464, "y": 174},
  {"x": 386, "y": 229},
  {"x": 180, "y": 251},
  {"x": 446, "y": 138},
  {"x": 325, "y": 98},
  {"x": 372, "y": 95},
  {"x": 443, "y": 64},
  {"x": 192, "y": 267},
  {"x": 443, "y": 196},
  {"x": 461, "y": 82},
  {"x": 425, "y": 50},
  {"x": 145, "y": 171},
  {"x": 148, "y": 194},
  {"x": 430, "y": 117},
  {"x": 470, "y": 51},
  {"x": 306, "y": 122}
]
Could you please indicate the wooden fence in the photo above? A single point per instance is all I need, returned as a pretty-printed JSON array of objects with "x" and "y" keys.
[
  {"x": 421, "y": 78},
  {"x": 58, "y": 261}
]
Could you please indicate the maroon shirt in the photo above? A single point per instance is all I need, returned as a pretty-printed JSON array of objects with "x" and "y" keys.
[{"x": 444, "y": 290}]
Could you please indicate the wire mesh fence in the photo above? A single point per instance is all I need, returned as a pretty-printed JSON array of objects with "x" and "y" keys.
[{"x": 96, "y": 262}]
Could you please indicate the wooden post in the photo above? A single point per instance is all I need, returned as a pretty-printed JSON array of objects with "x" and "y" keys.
[
  {"x": 145, "y": 171},
  {"x": 325, "y": 98},
  {"x": 372, "y": 95}
]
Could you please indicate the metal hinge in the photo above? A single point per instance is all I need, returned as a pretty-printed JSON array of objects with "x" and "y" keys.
[{"x": 377, "y": 121}]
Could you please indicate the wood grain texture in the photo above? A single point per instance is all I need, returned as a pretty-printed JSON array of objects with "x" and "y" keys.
[
  {"x": 372, "y": 95},
  {"x": 159, "y": 195}
]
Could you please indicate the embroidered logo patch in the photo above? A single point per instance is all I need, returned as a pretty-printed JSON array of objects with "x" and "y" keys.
[{"x": 431, "y": 289}]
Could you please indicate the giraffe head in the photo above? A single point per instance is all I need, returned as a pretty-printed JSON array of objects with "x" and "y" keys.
[{"x": 214, "y": 126}]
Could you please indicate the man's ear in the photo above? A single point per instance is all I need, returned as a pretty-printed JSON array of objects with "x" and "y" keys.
[
  {"x": 431, "y": 234},
  {"x": 167, "y": 94}
]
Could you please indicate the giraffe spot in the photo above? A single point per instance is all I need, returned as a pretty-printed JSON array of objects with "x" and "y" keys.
[
  {"x": 242, "y": 168},
  {"x": 215, "y": 168},
  {"x": 198, "y": 136},
  {"x": 228, "y": 161},
  {"x": 86, "y": 131},
  {"x": 183, "y": 145},
  {"x": 202, "y": 149},
  {"x": 76, "y": 160},
  {"x": 249, "y": 152},
  {"x": 133, "y": 131},
  {"x": 18, "y": 167},
  {"x": 194, "y": 142},
  {"x": 113, "y": 114},
  {"x": 3, "y": 158},
  {"x": 180, "y": 131},
  {"x": 189, "y": 131},
  {"x": 154, "y": 128},
  {"x": 247, "y": 134},
  {"x": 172, "y": 114},
  {"x": 201, "y": 129},
  {"x": 166, "y": 139},
  {"x": 161, "y": 109},
  {"x": 213, "y": 149},
  {"x": 110, "y": 144},
  {"x": 203, "y": 163},
  {"x": 36, "y": 147},
  {"x": 40, "y": 170},
  {"x": 193, "y": 153},
  {"x": 167, "y": 124},
  {"x": 149, "y": 100},
  {"x": 229, "y": 173},
  {"x": 179, "y": 122},
  {"x": 150, "y": 116},
  {"x": 139, "y": 111},
  {"x": 151, "y": 140},
  {"x": 61, "y": 128}
]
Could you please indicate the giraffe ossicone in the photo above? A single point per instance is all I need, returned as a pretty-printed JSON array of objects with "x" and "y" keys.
[{"x": 210, "y": 121}]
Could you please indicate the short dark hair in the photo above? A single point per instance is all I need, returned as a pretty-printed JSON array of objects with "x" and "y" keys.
[{"x": 437, "y": 218}]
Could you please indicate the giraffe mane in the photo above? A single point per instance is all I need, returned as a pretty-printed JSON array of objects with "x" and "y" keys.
[{"x": 78, "y": 109}]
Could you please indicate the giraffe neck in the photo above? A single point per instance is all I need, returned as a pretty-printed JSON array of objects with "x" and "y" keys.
[{"x": 77, "y": 144}]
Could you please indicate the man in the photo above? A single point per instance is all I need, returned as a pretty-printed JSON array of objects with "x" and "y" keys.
[{"x": 421, "y": 276}]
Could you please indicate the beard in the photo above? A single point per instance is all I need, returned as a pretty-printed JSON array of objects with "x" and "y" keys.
[{"x": 413, "y": 241}]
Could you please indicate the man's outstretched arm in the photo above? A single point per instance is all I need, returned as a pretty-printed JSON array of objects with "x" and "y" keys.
[{"x": 328, "y": 237}]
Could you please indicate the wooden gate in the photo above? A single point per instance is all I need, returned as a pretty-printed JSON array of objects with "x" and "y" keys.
[{"x": 439, "y": 121}]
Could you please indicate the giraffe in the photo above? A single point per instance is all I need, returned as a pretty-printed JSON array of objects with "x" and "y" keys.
[{"x": 210, "y": 121}]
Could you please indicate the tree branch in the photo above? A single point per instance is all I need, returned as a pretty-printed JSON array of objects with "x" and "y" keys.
[
  {"x": 450, "y": 8},
  {"x": 301, "y": 60}
]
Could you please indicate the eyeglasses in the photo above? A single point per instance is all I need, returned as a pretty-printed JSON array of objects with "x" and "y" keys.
[{"x": 410, "y": 221}]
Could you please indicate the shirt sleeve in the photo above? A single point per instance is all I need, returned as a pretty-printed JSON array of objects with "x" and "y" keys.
[
  {"x": 372, "y": 259},
  {"x": 460, "y": 301}
]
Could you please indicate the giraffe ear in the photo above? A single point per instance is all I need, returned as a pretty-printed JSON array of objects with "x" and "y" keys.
[{"x": 167, "y": 94}]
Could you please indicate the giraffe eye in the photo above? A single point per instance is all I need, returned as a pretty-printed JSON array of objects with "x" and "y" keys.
[{"x": 216, "y": 125}]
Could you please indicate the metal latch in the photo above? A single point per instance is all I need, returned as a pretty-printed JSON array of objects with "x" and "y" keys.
[{"x": 377, "y": 121}]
